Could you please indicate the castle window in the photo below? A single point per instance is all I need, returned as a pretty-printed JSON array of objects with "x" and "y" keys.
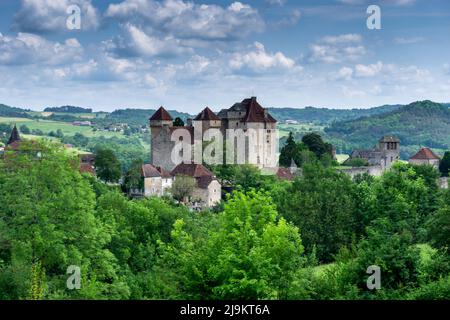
[{"x": 181, "y": 139}]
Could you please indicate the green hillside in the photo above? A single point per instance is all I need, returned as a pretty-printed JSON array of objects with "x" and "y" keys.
[
  {"x": 325, "y": 115},
  {"x": 419, "y": 124}
]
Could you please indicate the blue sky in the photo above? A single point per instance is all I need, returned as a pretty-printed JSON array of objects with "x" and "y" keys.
[{"x": 186, "y": 55}]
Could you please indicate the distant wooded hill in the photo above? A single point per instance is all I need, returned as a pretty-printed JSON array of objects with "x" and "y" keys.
[
  {"x": 326, "y": 116},
  {"x": 141, "y": 116},
  {"x": 422, "y": 123},
  {"x": 68, "y": 109}
]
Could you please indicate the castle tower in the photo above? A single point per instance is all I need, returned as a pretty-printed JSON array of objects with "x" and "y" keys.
[
  {"x": 161, "y": 124},
  {"x": 208, "y": 119},
  {"x": 390, "y": 151}
]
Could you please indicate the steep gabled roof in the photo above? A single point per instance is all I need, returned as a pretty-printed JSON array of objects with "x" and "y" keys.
[
  {"x": 149, "y": 171},
  {"x": 164, "y": 173},
  {"x": 207, "y": 115},
  {"x": 425, "y": 154},
  {"x": 161, "y": 115},
  {"x": 254, "y": 111},
  {"x": 15, "y": 137},
  {"x": 191, "y": 170}
]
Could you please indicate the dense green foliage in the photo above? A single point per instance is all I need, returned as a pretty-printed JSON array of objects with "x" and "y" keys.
[
  {"x": 313, "y": 238},
  {"x": 107, "y": 166}
]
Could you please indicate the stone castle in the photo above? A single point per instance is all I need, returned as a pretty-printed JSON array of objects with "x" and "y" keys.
[{"x": 247, "y": 116}]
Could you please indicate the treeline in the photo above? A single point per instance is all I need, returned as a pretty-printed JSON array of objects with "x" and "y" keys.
[
  {"x": 311, "y": 239},
  {"x": 69, "y": 109}
]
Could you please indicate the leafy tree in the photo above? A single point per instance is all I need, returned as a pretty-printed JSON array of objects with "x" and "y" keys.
[
  {"x": 24, "y": 129},
  {"x": 444, "y": 166},
  {"x": 250, "y": 254},
  {"x": 133, "y": 177},
  {"x": 107, "y": 166},
  {"x": 178, "y": 122},
  {"x": 47, "y": 223},
  {"x": 321, "y": 203},
  {"x": 183, "y": 187},
  {"x": 316, "y": 145}
]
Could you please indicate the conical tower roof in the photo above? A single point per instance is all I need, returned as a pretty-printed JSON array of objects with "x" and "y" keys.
[{"x": 14, "y": 136}]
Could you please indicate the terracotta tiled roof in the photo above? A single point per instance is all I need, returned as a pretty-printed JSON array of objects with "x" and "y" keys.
[
  {"x": 149, "y": 171},
  {"x": 425, "y": 154},
  {"x": 204, "y": 182},
  {"x": 164, "y": 173},
  {"x": 191, "y": 170},
  {"x": 161, "y": 114},
  {"x": 207, "y": 114}
]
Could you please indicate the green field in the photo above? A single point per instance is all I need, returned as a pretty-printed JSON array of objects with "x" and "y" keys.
[
  {"x": 67, "y": 128},
  {"x": 284, "y": 129}
]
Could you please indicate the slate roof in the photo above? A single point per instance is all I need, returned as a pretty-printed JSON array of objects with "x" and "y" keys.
[
  {"x": 207, "y": 115},
  {"x": 254, "y": 112},
  {"x": 161, "y": 115},
  {"x": 425, "y": 154},
  {"x": 15, "y": 137}
]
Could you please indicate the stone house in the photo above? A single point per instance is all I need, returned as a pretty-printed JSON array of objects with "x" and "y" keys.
[
  {"x": 384, "y": 154},
  {"x": 208, "y": 190},
  {"x": 425, "y": 157},
  {"x": 157, "y": 181}
]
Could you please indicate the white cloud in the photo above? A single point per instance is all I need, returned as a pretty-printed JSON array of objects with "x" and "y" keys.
[
  {"x": 42, "y": 16},
  {"x": 188, "y": 20},
  {"x": 28, "y": 48},
  {"x": 337, "y": 49},
  {"x": 342, "y": 39},
  {"x": 137, "y": 43},
  {"x": 345, "y": 73},
  {"x": 370, "y": 70},
  {"x": 258, "y": 59}
]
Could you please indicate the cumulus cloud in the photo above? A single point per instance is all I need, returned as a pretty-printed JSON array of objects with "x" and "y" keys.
[
  {"x": 44, "y": 16},
  {"x": 337, "y": 49},
  {"x": 28, "y": 48},
  {"x": 370, "y": 70},
  {"x": 188, "y": 20},
  {"x": 136, "y": 42},
  {"x": 258, "y": 59}
]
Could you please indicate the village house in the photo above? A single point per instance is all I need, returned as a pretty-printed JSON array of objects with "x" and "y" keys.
[
  {"x": 425, "y": 156},
  {"x": 158, "y": 181},
  {"x": 378, "y": 159}
]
